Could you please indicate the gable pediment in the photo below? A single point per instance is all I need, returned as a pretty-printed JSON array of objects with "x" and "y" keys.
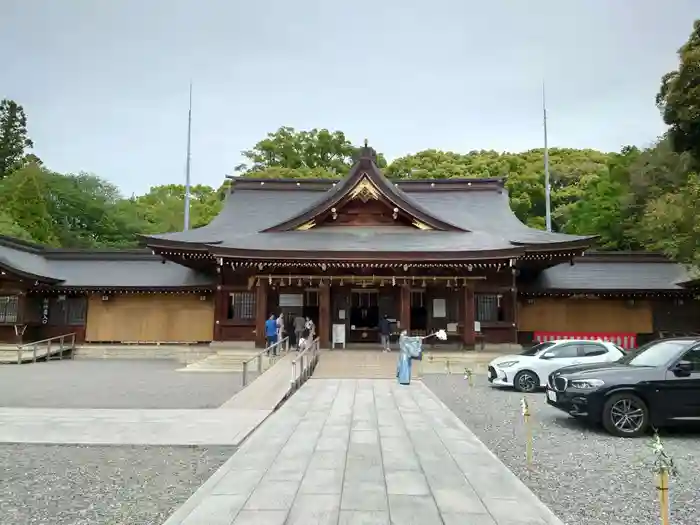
[{"x": 364, "y": 198}]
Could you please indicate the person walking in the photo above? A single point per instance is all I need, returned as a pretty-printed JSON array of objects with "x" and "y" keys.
[
  {"x": 271, "y": 334},
  {"x": 385, "y": 333},
  {"x": 299, "y": 323},
  {"x": 280, "y": 326},
  {"x": 311, "y": 327}
]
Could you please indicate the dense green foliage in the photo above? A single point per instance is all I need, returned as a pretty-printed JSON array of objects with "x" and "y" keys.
[{"x": 633, "y": 199}]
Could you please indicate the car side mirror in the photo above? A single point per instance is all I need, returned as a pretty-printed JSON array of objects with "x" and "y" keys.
[
  {"x": 683, "y": 368},
  {"x": 546, "y": 356}
]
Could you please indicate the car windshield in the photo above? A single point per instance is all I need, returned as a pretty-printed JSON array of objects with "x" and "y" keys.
[
  {"x": 656, "y": 353},
  {"x": 537, "y": 349}
]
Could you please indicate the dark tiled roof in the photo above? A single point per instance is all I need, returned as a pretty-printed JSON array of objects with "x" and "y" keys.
[
  {"x": 258, "y": 205},
  {"x": 615, "y": 271},
  {"x": 91, "y": 269}
]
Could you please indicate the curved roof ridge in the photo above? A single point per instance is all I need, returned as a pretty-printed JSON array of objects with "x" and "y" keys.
[{"x": 364, "y": 167}]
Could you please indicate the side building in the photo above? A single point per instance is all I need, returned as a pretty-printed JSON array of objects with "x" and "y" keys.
[{"x": 429, "y": 254}]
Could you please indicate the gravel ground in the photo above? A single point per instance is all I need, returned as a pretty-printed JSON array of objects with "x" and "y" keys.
[
  {"x": 107, "y": 383},
  {"x": 77, "y": 485},
  {"x": 584, "y": 475}
]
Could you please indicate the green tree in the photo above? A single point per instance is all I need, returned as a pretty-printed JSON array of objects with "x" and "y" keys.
[
  {"x": 679, "y": 97},
  {"x": 671, "y": 222},
  {"x": 14, "y": 140},
  {"x": 162, "y": 209},
  {"x": 10, "y": 228},
  {"x": 23, "y": 196},
  {"x": 318, "y": 153}
]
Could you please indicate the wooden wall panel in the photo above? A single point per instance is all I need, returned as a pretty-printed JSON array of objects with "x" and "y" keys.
[
  {"x": 150, "y": 318},
  {"x": 585, "y": 315}
]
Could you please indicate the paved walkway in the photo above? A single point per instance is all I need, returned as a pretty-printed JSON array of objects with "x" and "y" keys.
[
  {"x": 228, "y": 425},
  {"x": 127, "y": 427},
  {"x": 363, "y": 452}
]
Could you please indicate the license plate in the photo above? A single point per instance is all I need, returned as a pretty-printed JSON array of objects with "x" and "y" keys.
[{"x": 552, "y": 396}]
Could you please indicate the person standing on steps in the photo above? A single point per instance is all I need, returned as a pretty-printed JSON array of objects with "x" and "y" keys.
[
  {"x": 299, "y": 323},
  {"x": 280, "y": 326},
  {"x": 271, "y": 333},
  {"x": 311, "y": 327},
  {"x": 385, "y": 333}
]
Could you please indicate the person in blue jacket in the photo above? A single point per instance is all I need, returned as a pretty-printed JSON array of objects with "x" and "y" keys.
[{"x": 271, "y": 333}]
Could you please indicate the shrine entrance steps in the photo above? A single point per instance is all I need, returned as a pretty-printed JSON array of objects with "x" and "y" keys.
[
  {"x": 356, "y": 364},
  {"x": 228, "y": 360},
  {"x": 375, "y": 364}
]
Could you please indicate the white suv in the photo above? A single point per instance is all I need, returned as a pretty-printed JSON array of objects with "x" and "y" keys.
[{"x": 529, "y": 370}]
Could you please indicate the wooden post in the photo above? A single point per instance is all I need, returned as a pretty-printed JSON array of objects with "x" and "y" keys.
[
  {"x": 405, "y": 316},
  {"x": 324, "y": 315},
  {"x": 261, "y": 313},
  {"x": 468, "y": 317}
]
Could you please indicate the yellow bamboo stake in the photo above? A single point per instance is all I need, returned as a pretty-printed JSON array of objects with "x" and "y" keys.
[
  {"x": 664, "y": 467},
  {"x": 525, "y": 408},
  {"x": 663, "y": 496}
]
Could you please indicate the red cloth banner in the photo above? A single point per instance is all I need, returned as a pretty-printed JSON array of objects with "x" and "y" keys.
[{"x": 625, "y": 340}]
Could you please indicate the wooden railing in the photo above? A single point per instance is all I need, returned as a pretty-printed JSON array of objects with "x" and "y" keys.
[
  {"x": 274, "y": 350},
  {"x": 304, "y": 364},
  {"x": 61, "y": 343}
]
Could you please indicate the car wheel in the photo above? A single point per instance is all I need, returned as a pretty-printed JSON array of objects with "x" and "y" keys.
[
  {"x": 526, "y": 381},
  {"x": 625, "y": 415}
]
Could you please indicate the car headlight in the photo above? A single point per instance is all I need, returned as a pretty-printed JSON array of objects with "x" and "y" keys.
[
  {"x": 587, "y": 384},
  {"x": 506, "y": 364}
]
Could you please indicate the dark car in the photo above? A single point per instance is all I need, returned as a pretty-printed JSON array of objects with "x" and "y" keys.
[{"x": 656, "y": 385}]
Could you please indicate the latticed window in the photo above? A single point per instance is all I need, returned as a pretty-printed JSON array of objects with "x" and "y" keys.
[
  {"x": 242, "y": 306},
  {"x": 311, "y": 298},
  {"x": 9, "y": 307},
  {"x": 417, "y": 299},
  {"x": 488, "y": 308},
  {"x": 67, "y": 311}
]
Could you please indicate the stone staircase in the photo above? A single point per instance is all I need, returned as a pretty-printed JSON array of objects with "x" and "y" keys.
[
  {"x": 357, "y": 364},
  {"x": 9, "y": 355},
  {"x": 230, "y": 360}
]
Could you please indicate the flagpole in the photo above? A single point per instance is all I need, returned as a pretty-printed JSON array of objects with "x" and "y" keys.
[
  {"x": 547, "y": 188},
  {"x": 188, "y": 164}
]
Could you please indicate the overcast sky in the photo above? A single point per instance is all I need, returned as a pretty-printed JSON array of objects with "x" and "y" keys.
[{"x": 105, "y": 83}]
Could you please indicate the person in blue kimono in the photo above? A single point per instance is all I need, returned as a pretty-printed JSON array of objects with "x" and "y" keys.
[{"x": 410, "y": 348}]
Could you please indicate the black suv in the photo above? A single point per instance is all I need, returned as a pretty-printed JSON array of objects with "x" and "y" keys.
[{"x": 656, "y": 385}]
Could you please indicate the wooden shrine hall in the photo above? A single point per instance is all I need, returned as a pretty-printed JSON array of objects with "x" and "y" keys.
[{"x": 428, "y": 254}]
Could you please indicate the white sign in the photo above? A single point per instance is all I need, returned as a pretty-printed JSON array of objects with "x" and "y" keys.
[
  {"x": 291, "y": 300},
  {"x": 341, "y": 315},
  {"x": 339, "y": 335},
  {"x": 439, "y": 308},
  {"x": 477, "y": 327}
]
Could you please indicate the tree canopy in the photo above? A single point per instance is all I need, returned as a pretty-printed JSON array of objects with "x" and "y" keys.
[{"x": 633, "y": 199}]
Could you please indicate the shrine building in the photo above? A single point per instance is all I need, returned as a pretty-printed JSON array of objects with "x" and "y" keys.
[{"x": 429, "y": 254}]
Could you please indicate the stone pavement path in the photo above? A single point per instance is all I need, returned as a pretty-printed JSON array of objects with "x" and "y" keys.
[
  {"x": 127, "y": 427},
  {"x": 229, "y": 424},
  {"x": 363, "y": 452}
]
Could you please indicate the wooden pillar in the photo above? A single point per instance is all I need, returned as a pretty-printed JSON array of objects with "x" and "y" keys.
[
  {"x": 514, "y": 299},
  {"x": 405, "y": 316},
  {"x": 21, "y": 305},
  {"x": 221, "y": 302},
  {"x": 219, "y": 310},
  {"x": 324, "y": 316},
  {"x": 261, "y": 313},
  {"x": 468, "y": 317}
]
